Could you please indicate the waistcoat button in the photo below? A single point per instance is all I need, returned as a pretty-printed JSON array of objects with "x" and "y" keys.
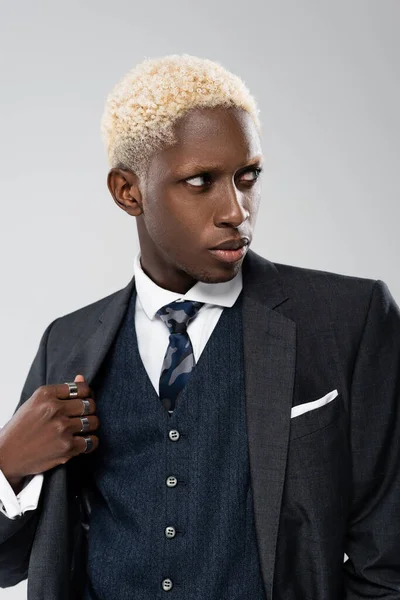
[
  {"x": 170, "y": 532},
  {"x": 171, "y": 481},
  {"x": 167, "y": 585},
  {"x": 174, "y": 435}
]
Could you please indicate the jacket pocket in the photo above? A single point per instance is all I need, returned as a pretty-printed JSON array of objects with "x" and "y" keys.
[{"x": 316, "y": 419}]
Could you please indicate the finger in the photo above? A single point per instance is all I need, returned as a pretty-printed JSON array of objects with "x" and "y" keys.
[
  {"x": 82, "y": 378},
  {"x": 61, "y": 390},
  {"x": 74, "y": 407},
  {"x": 76, "y": 424},
  {"x": 81, "y": 444}
]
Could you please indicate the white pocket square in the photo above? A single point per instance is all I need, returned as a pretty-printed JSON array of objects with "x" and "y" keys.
[{"x": 302, "y": 408}]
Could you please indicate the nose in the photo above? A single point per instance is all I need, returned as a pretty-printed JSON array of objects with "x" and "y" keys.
[{"x": 231, "y": 210}]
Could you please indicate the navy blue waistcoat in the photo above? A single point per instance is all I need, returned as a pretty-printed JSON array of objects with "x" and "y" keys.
[{"x": 197, "y": 534}]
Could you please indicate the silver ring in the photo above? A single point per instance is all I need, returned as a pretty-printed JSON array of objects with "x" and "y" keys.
[
  {"x": 85, "y": 407},
  {"x": 73, "y": 389},
  {"x": 88, "y": 444},
  {"x": 85, "y": 424}
]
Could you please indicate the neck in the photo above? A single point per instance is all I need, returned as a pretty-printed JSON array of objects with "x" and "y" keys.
[{"x": 165, "y": 275}]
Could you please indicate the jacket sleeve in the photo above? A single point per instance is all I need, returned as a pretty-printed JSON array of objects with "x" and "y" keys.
[
  {"x": 373, "y": 532},
  {"x": 16, "y": 535}
]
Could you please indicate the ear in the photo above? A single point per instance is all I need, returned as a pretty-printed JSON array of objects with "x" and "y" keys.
[{"x": 124, "y": 188}]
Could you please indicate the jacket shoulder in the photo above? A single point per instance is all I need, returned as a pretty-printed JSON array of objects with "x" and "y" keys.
[
  {"x": 325, "y": 304},
  {"x": 73, "y": 322},
  {"x": 327, "y": 297},
  {"x": 317, "y": 281},
  {"x": 306, "y": 286}
]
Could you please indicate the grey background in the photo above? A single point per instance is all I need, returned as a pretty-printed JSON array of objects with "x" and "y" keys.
[{"x": 326, "y": 76}]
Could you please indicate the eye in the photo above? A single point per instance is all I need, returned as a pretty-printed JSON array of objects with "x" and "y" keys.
[
  {"x": 198, "y": 180},
  {"x": 192, "y": 180},
  {"x": 255, "y": 171}
]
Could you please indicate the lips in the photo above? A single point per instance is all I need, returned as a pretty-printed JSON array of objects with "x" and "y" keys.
[
  {"x": 232, "y": 244},
  {"x": 229, "y": 256}
]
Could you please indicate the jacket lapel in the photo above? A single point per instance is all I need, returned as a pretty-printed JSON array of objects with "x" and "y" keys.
[
  {"x": 269, "y": 358},
  {"x": 86, "y": 358}
]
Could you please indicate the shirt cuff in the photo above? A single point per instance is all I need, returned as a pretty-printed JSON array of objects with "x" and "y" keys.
[{"x": 14, "y": 506}]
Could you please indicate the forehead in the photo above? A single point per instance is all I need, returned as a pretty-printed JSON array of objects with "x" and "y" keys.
[{"x": 218, "y": 137}]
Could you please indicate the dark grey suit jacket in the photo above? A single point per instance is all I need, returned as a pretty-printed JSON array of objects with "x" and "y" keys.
[{"x": 325, "y": 483}]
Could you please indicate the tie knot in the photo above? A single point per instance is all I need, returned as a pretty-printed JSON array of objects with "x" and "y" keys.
[{"x": 177, "y": 315}]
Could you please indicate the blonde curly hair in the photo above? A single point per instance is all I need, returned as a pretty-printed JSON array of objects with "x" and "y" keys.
[{"x": 142, "y": 108}]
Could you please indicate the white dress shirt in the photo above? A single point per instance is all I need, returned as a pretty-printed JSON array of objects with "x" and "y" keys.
[{"x": 153, "y": 339}]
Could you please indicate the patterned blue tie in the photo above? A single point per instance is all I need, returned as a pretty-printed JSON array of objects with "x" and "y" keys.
[{"x": 179, "y": 359}]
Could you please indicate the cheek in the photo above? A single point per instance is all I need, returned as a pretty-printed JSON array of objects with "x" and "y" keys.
[
  {"x": 255, "y": 209},
  {"x": 172, "y": 222},
  {"x": 254, "y": 205}
]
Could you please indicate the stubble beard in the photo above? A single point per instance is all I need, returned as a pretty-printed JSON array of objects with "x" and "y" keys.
[{"x": 205, "y": 276}]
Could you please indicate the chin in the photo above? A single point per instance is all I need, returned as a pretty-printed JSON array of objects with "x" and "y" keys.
[{"x": 226, "y": 273}]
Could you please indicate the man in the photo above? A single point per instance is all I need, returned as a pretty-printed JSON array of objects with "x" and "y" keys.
[{"x": 233, "y": 429}]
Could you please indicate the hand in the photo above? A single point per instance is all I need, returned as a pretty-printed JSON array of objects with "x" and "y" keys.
[{"x": 46, "y": 431}]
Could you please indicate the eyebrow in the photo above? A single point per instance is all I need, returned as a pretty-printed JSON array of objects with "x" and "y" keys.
[{"x": 196, "y": 167}]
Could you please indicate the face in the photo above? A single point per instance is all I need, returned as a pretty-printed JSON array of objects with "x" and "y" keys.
[{"x": 201, "y": 192}]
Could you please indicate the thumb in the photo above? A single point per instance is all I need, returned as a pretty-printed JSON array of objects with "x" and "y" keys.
[{"x": 79, "y": 378}]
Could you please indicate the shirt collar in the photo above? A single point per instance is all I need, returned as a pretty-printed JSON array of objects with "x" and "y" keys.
[{"x": 152, "y": 297}]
